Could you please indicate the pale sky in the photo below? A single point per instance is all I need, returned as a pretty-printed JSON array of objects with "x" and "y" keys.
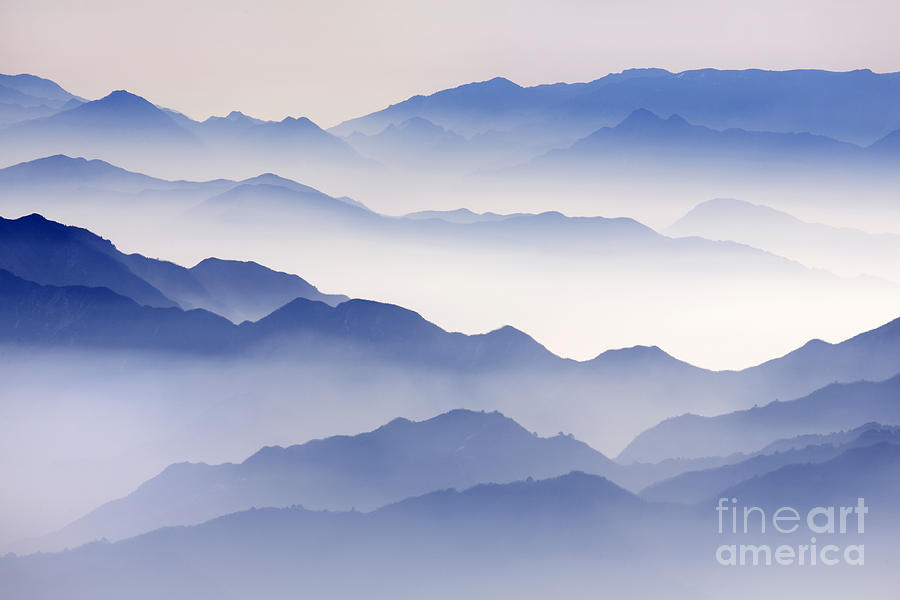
[{"x": 333, "y": 60}]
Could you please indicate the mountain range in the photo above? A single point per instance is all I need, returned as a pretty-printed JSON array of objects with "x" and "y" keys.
[
  {"x": 833, "y": 408},
  {"x": 777, "y": 119},
  {"x": 65, "y": 307},
  {"x": 458, "y": 449},
  {"x": 843, "y": 251},
  {"x": 784, "y": 101},
  {"x": 403, "y": 458},
  {"x": 694, "y": 487},
  {"x": 50, "y": 253},
  {"x": 112, "y": 126},
  {"x": 507, "y": 258},
  {"x": 558, "y": 527},
  {"x": 24, "y": 97},
  {"x": 277, "y": 552},
  {"x": 644, "y": 137},
  {"x": 871, "y": 472}
]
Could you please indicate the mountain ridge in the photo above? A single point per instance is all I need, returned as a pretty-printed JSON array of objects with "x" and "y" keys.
[{"x": 401, "y": 459}]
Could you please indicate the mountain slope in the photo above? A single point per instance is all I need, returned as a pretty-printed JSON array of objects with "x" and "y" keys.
[
  {"x": 843, "y": 251},
  {"x": 239, "y": 291},
  {"x": 888, "y": 146},
  {"x": 403, "y": 458},
  {"x": 90, "y": 317},
  {"x": 351, "y": 330},
  {"x": 120, "y": 125},
  {"x": 36, "y": 87},
  {"x": 282, "y": 552},
  {"x": 418, "y": 143},
  {"x": 870, "y": 472},
  {"x": 24, "y": 97},
  {"x": 244, "y": 291},
  {"x": 143, "y": 136},
  {"x": 119, "y": 114},
  {"x": 647, "y": 138},
  {"x": 61, "y": 171},
  {"x": 565, "y": 496},
  {"x": 228, "y": 282},
  {"x": 50, "y": 253},
  {"x": 832, "y": 408},
  {"x": 257, "y": 202},
  {"x": 785, "y": 101},
  {"x": 698, "y": 486}
]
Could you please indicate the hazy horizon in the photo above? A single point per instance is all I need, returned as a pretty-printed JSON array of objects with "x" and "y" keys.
[{"x": 382, "y": 54}]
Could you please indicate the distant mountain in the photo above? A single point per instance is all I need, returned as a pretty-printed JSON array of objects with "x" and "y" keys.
[
  {"x": 419, "y": 143},
  {"x": 260, "y": 201},
  {"x": 694, "y": 487},
  {"x": 873, "y": 355},
  {"x": 646, "y": 375},
  {"x": 416, "y": 130},
  {"x": 391, "y": 333},
  {"x": 756, "y": 134},
  {"x": 119, "y": 114},
  {"x": 568, "y": 495},
  {"x": 50, "y": 253},
  {"x": 552, "y": 524},
  {"x": 864, "y": 432},
  {"x": 53, "y": 254},
  {"x": 275, "y": 180},
  {"x": 234, "y": 123},
  {"x": 270, "y": 144},
  {"x": 33, "y": 315},
  {"x": 36, "y": 87},
  {"x": 648, "y": 139},
  {"x": 753, "y": 99},
  {"x": 460, "y": 215},
  {"x": 871, "y": 472},
  {"x": 888, "y": 146},
  {"x": 294, "y": 138},
  {"x": 468, "y": 109},
  {"x": 515, "y": 264},
  {"x": 110, "y": 126},
  {"x": 352, "y": 329},
  {"x": 80, "y": 179},
  {"x": 840, "y": 250},
  {"x": 248, "y": 291},
  {"x": 71, "y": 174},
  {"x": 282, "y": 209},
  {"x": 458, "y": 449},
  {"x": 832, "y": 408},
  {"x": 24, "y": 97},
  {"x": 144, "y": 136},
  {"x": 239, "y": 291}
]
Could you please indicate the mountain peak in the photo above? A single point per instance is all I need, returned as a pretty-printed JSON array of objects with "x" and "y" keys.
[
  {"x": 60, "y": 168},
  {"x": 640, "y": 116},
  {"x": 33, "y": 85},
  {"x": 638, "y": 356},
  {"x": 124, "y": 98},
  {"x": 120, "y": 111},
  {"x": 272, "y": 179},
  {"x": 501, "y": 82},
  {"x": 574, "y": 493},
  {"x": 420, "y": 124},
  {"x": 299, "y": 122}
]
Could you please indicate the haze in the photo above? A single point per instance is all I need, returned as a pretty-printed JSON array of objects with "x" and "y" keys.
[{"x": 335, "y": 60}]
